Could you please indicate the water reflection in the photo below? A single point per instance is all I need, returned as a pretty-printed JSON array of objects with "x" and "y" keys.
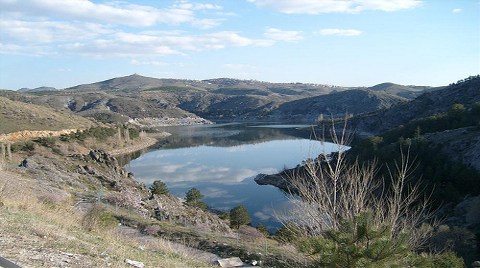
[{"x": 221, "y": 161}]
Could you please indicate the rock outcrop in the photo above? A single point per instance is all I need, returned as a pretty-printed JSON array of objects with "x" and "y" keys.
[
  {"x": 172, "y": 209},
  {"x": 461, "y": 145},
  {"x": 276, "y": 180}
]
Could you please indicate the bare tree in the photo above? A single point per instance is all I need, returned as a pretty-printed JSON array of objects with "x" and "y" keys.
[{"x": 330, "y": 189}]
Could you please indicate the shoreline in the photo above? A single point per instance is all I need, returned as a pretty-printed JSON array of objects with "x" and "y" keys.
[{"x": 143, "y": 144}]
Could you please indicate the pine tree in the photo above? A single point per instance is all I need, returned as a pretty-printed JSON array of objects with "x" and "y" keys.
[
  {"x": 193, "y": 198},
  {"x": 239, "y": 216},
  {"x": 159, "y": 188}
]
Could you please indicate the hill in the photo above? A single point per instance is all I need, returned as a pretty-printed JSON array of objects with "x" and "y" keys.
[
  {"x": 225, "y": 86},
  {"x": 37, "y": 89},
  {"x": 337, "y": 104},
  {"x": 408, "y": 92},
  {"x": 17, "y": 116},
  {"x": 138, "y": 97},
  {"x": 465, "y": 92}
]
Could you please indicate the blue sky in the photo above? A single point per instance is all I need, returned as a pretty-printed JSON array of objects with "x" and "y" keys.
[{"x": 63, "y": 43}]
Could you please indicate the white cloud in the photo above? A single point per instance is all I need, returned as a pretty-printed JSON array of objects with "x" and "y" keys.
[
  {"x": 113, "y": 12},
  {"x": 100, "y": 41},
  {"x": 214, "y": 192},
  {"x": 147, "y": 62},
  {"x": 84, "y": 27},
  {"x": 50, "y": 31},
  {"x": 340, "y": 32},
  {"x": 197, "y": 6},
  {"x": 281, "y": 35},
  {"x": 314, "y": 7},
  {"x": 456, "y": 10},
  {"x": 206, "y": 23},
  {"x": 14, "y": 49}
]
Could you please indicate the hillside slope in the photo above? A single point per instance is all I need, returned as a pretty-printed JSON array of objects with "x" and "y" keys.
[
  {"x": 124, "y": 98},
  {"x": 466, "y": 92},
  {"x": 17, "y": 116},
  {"x": 408, "y": 92},
  {"x": 337, "y": 104}
]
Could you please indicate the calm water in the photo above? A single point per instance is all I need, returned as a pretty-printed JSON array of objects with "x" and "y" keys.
[{"x": 222, "y": 160}]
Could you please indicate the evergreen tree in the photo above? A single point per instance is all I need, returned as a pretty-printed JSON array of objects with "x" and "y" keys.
[
  {"x": 159, "y": 188},
  {"x": 239, "y": 216},
  {"x": 193, "y": 198}
]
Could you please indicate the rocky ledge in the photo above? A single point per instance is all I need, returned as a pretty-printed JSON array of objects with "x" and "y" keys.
[{"x": 278, "y": 180}]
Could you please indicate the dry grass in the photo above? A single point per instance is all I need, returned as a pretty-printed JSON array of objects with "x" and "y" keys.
[
  {"x": 17, "y": 116},
  {"x": 39, "y": 233}
]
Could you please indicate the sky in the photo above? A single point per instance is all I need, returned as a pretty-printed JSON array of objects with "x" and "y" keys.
[{"x": 63, "y": 43}]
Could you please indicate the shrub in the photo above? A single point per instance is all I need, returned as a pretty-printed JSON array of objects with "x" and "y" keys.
[
  {"x": 448, "y": 260},
  {"x": 357, "y": 243},
  {"x": 263, "y": 229},
  {"x": 289, "y": 233},
  {"x": 152, "y": 229},
  {"x": 98, "y": 217},
  {"x": 47, "y": 141},
  {"x": 99, "y": 133},
  {"x": 27, "y": 146},
  {"x": 133, "y": 133}
]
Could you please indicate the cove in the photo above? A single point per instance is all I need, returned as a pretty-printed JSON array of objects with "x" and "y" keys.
[{"x": 222, "y": 161}]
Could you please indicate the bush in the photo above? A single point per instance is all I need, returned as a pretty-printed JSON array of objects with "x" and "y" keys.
[
  {"x": 99, "y": 133},
  {"x": 263, "y": 229},
  {"x": 98, "y": 217},
  {"x": 357, "y": 243},
  {"x": 289, "y": 233},
  {"x": 152, "y": 229},
  {"x": 27, "y": 146},
  {"x": 47, "y": 141},
  {"x": 133, "y": 133},
  {"x": 448, "y": 259}
]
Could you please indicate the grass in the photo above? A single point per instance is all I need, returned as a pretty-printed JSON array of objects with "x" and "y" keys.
[
  {"x": 242, "y": 244},
  {"x": 17, "y": 116},
  {"x": 37, "y": 233}
]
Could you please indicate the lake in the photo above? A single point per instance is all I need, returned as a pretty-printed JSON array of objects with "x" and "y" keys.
[{"x": 222, "y": 160}]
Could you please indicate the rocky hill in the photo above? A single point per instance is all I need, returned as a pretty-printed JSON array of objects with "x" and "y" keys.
[
  {"x": 462, "y": 145},
  {"x": 137, "y": 97},
  {"x": 337, "y": 104},
  {"x": 465, "y": 92}
]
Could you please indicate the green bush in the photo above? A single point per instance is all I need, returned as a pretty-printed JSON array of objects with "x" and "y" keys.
[
  {"x": 133, "y": 133},
  {"x": 358, "y": 243},
  {"x": 447, "y": 260},
  {"x": 99, "y": 217},
  {"x": 289, "y": 233},
  {"x": 99, "y": 133},
  {"x": 47, "y": 141},
  {"x": 27, "y": 146},
  {"x": 263, "y": 229}
]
